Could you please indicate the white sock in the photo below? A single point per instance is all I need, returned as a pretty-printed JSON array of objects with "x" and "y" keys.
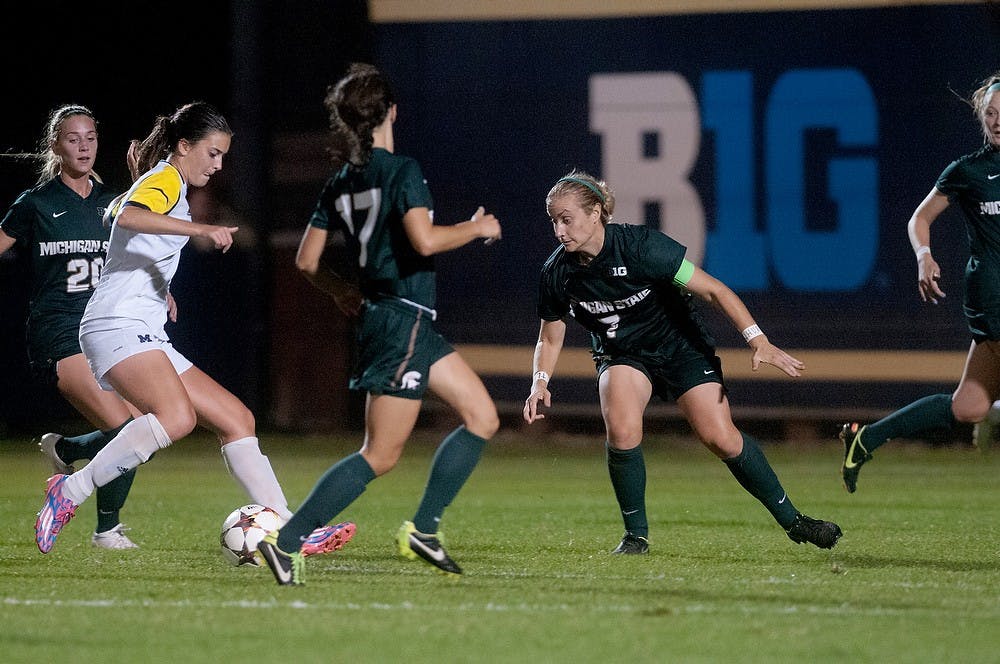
[
  {"x": 134, "y": 444},
  {"x": 254, "y": 473}
]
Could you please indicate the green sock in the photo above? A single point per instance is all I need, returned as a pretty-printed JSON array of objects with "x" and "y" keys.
[
  {"x": 454, "y": 461},
  {"x": 86, "y": 446},
  {"x": 339, "y": 486},
  {"x": 754, "y": 473},
  {"x": 627, "y": 469},
  {"x": 111, "y": 497},
  {"x": 927, "y": 414}
]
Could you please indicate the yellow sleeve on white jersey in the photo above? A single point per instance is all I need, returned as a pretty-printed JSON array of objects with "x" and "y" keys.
[{"x": 158, "y": 191}]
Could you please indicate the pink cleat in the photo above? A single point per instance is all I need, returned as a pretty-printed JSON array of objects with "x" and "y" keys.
[
  {"x": 328, "y": 538},
  {"x": 55, "y": 513}
]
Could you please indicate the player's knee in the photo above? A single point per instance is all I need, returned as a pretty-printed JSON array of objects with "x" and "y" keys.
[
  {"x": 380, "y": 463},
  {"x": 484, "y": 421},
  {"x": 723, "y": 443},
  {"x": 178, "y": 420},
  {"x": 970, "y": 413}
]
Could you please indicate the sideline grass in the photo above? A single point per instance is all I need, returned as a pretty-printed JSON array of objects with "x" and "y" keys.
[{"x": 915, "y": 578}]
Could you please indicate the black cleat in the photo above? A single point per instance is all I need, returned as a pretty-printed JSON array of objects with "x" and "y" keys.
[
  {"x": 414, "y": 545},
  {"x": 632, "y": 545},
  {"x": 855, "y": 454},
  {"x": 288, "y": 568},
  {"x": 823, "y": 534}
]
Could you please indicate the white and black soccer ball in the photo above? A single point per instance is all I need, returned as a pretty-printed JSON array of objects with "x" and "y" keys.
[{"x": 243, "y": 529}]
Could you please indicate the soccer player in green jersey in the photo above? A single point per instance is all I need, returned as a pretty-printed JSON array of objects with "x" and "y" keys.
[
  {"x": 59, "y": 222},
  {"x": 379, "y": 205},
  {"x": 972, "y": 181},
  {"x": 631, "y": 288}
]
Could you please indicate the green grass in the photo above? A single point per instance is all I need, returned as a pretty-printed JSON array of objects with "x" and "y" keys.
[{"x": 915, "y": 578}]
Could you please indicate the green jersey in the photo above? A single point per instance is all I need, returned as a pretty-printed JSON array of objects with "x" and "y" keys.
[
  {"x": 625, "y": 296},
  {"x": 973, "y": 181},
  {"x": 367, "y": 205},
  {"x": 67, "y": 242}
]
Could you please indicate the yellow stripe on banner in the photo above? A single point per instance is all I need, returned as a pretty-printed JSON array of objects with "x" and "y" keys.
[
  {"x": 426, "y": 11},
  {"x": 891, "y": 366}
]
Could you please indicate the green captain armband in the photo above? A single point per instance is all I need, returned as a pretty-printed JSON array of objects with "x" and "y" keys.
[{"x": 684, "y": 273}]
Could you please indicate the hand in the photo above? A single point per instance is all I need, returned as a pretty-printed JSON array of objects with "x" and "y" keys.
[
  {"x": 221, "y": 236},
  {"x": 171, "y": 308},
  {"x": 487, "y": 225},
  {"x": 768, "y": 353},
  {"x": 928, "y": 274},
  {"x": 531, "y": 403},
  {"x": 349, "y": 302}
]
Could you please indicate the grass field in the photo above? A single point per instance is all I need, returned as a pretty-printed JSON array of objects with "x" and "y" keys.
[{"x": 916, "y": 577}]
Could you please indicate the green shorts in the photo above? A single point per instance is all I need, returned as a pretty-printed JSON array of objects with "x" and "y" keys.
[
  {"x": 397, "y": 344},
  {"x": 673, "y": 376},
  {"x": 50, "y": 340}
]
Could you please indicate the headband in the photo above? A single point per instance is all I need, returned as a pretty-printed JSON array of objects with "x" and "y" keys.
[
  {"x": 993, "y": 88},
  {"x": 585, "y": 184}
]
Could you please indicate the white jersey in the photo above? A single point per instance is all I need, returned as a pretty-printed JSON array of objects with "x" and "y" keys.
[{"x": 139, "y": 266}]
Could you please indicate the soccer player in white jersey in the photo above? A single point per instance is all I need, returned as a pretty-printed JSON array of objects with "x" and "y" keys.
[{"x": 122, "y": 331}]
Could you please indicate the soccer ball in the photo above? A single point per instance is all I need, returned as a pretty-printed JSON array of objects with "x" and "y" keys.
[{"x": 243, "y": 529}]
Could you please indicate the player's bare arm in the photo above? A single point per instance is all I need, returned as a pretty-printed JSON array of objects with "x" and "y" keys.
[
  {"x": 919, "y": 230},
  {"x": 723, "y": 298},
  {"x": 429, "y": 239},
  {"x": 309, "y": 262},
  {"x": 550, "y": 342},
  {"x": 141, "y": 220}
]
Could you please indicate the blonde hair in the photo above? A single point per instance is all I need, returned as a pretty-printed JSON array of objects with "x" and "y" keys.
[
  {"x": 978, "y": 99},
  {"x": 589, "y": 191}
]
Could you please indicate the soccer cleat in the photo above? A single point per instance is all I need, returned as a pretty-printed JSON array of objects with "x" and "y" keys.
[
  {"x": 48, "y": 445},
  {"x": 414, "y": 544},
  {"x": 632, "y": 545},
  {"x": 855, "y": 454},
  {"x": 289, "y": 569},
  {"x": 982, "y": 432},
  {"x": 823, "y": 534},
  {"x": 113, "y": 539},
  {"x": 327, "y": 539},
  {"x": 55, "y": 513}
]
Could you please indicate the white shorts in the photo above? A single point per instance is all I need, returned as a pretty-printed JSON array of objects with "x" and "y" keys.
[{"x": 106, "y": 342}]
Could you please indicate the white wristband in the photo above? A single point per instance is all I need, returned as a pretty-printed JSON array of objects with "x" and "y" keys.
[
  {"x": 541, "y": 375},
  {"x": 751, "y": 332},
  {"x": 921, "y": 250}
]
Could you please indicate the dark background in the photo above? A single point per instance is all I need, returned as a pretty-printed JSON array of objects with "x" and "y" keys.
[{"x": 495, "y": 112}]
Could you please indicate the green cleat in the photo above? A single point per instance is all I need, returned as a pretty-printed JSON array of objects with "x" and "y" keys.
[
  {"x": 414, "y": 545},
  {"x": 289, "y": 569},
  {"x": 855, "y": 454}
]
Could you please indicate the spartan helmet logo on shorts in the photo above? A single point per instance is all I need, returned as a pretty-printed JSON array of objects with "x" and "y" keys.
[{"x": 410, "y": 380}]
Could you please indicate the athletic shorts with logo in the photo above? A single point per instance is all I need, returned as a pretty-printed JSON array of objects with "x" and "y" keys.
[
  {"x": 397, "y": 344},
  {"x": 108, "y": 341},
  {"x": 671, "y": 376}
]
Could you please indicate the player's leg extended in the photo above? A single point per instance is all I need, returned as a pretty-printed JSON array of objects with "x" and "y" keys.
[
  {"x": 457, "y": 384},
  {"x": 389, "y": 420},
  {"x": 221, "y": 412},
  {"x": 706, "y": 408},
  {"x": 148, "y": 381},
  {"x": 970, "y": 402},
  {"x": 109, "y": 413},
  {"x": 625, "y": 391}
]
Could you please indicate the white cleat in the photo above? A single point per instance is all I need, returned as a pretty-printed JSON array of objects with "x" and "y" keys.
[
  {"x": 113, "y": 539},
  {"x": 48, "y": 446}
]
